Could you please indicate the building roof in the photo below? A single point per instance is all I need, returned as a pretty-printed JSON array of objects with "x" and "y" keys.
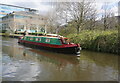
[{"x": 19, "y": 7}]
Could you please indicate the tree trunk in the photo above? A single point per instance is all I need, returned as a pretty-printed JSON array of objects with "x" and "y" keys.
[{"x": 78, "y": 29}]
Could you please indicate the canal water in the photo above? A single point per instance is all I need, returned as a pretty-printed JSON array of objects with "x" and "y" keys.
[{"x": 20, "y": 63}]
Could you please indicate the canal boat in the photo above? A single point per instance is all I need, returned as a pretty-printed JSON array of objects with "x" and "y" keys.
[{"x": 51, "y": 42}]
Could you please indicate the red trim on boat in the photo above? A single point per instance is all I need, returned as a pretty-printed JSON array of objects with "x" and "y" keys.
[{"x": 49, "y": 45}]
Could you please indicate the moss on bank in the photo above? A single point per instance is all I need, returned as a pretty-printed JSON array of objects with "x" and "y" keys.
[{"x": 102, "y": 41}]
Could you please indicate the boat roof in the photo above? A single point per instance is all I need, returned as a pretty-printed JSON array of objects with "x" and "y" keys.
[
  {"x": 45, "y": 36},
  {"x": 52, "y": 34},
  {"x": 40, "y": 36}
]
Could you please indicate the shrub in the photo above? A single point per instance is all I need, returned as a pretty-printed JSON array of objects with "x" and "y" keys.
[
  {"x": 104, "y": 41},
  {"x": 3, "y": 31}
]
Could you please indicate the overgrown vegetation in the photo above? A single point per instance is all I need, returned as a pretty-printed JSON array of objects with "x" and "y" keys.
[
  {"x": 102, "y": 41},
  {"x": 92, "y": 33}
]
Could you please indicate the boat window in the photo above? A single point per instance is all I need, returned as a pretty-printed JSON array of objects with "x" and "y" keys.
[
  {"x": 31, "y": 38},
  {"x": 38, "y": 39},
  {"x": 47, "y": 40}
]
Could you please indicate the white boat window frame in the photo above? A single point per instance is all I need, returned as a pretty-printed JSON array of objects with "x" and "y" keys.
[
  {"x": 31, "y": 38},
  {"x": 38, "y": 39},
  {"x": 47, "y": 40}
]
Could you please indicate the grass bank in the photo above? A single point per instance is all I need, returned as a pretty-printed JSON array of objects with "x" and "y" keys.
[
  {"x": 102, "y": 41},
  {"x": 10, "y": 35}
]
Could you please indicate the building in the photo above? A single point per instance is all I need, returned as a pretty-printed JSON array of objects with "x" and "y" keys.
[
  {"x": 6, "y": 9},
  {"x": 16, "y": 17},
  {"x": 23, "y": 20}
]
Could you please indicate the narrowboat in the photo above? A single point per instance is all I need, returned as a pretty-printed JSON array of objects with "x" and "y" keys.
[{"x": 51, "y": 42}]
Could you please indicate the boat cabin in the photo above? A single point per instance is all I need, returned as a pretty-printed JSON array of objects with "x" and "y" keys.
[{"x": 56, "y": 40}]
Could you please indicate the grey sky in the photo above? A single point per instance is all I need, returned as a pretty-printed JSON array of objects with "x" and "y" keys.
[{"x": 45, "y": 5}]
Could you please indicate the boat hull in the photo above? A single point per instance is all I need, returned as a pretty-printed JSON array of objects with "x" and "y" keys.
[{"x": 66, "y": 50}]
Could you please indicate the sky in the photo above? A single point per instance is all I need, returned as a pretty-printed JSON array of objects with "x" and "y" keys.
[{"x": 43, "y": 6}]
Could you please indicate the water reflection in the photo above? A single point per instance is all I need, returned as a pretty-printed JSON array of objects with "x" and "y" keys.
[
  {"x": 26, "y": 64},
  {"x": 55, "y": 57}
]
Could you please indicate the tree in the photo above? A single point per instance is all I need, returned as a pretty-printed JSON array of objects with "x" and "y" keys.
[
  {"x": 58, "y": 16},
  {"x": 82, "y": 12},
  {"x": 108, "y": 17},
  {"x": 77, "y": 12}
]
